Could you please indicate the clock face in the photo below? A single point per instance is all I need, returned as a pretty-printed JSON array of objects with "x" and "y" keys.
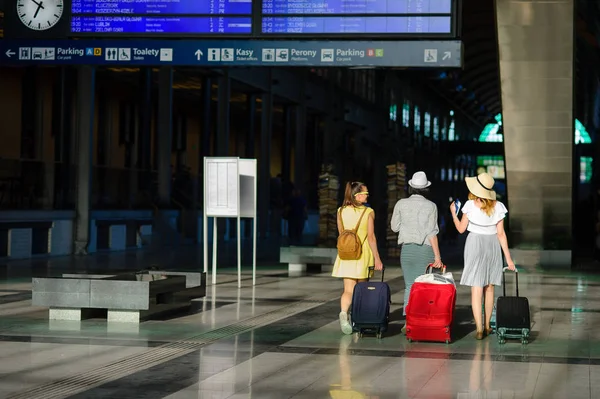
[{"x": 39, "y": 14}]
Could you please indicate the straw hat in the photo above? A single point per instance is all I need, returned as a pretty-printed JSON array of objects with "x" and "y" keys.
[
  {"x": 419, "y": 181},
  {"x": 482, "y": 186}
]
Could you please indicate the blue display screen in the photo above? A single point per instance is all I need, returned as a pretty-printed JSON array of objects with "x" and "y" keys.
[
  {"x": 357, "y": 6},
  {"x": 161, "y": 25},
  {"x": 161, "y": 7},
  {"x": 358, "y": 25}
]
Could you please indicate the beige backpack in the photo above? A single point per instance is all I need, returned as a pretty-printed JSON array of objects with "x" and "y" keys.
[{"x": 349, "y": 245}]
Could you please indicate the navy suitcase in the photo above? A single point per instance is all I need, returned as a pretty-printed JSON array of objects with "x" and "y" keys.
[
  {"x": 513, "y": 320},
  {"x": 370, "y": 312}
]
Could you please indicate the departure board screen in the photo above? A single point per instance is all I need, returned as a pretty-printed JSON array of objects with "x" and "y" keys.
[
  {"x": 161, "y": 17},
  {"x": 185, "y": 7},
  {"x": 362, "y": 17},
  {"x": 358, "y": 25},
  {"x": 357, "y": 6},
  {"x": 160, "y": 26}
]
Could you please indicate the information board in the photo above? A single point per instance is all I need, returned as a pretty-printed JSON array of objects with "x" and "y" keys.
[
  {"x": 160, "y": 17},
  {"x": 367, "y": 17},
  {"x": 220, "y": 53}
]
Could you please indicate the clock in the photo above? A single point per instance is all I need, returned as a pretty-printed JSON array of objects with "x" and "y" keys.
[{"x": 40, "y": 15}]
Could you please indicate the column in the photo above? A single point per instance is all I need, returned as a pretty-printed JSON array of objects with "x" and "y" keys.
[
  {"x": 62, "y": 102},
  {"x": 251, "y": 132},
  {"x": 286, "y": 148},
  {"x": 41, "y": 138},
  {"x": 300, "y": 147},
  {"x": 144, "y": 151},
  {"x": 264, "y": 163},
  {"x": 164, "y": 133},
  {"x": 249, "y": 146},
  {"x": 86, "y": 82},
  {"x": 224, "y": 97},
  {"x": 203, "y": 151},
  {"x": 536, "y": 48}
]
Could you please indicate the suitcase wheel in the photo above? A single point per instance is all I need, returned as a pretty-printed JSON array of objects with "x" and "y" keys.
[
  {"x": 524, "y": 341},
  {"x": 409, "y": 339},
  {"x": 447, "y": 341}
]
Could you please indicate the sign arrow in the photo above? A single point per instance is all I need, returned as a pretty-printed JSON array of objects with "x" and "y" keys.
[
  {"x": 447, "y": 55},
  {"x": 10, "y": 53},
  {"x": 198, "y": 54}
]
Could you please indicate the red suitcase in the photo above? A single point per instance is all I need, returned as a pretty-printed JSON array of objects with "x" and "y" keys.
[{"x": 430, "y": 312}]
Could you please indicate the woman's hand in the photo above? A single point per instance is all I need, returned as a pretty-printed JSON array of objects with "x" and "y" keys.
[
  {"x": 453, "y": 209},
  {"x": 378, "y": 264},
  {"x": 437, "y": 264},
  {"x": 511, "y": 265}
]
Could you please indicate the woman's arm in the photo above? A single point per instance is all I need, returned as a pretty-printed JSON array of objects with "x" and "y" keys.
[
  {"x": 504, "y": 244},
  {"x": 373, "y": 241},
  {"x": 461, "y": 225},
  {"x": 339, "y": 221},
  {"x": 433, "y": 236},
  {"x": 395, "y": 222}
]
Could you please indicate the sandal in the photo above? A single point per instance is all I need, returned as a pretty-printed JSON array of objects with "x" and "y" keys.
[{"x": 479, "y": 335}]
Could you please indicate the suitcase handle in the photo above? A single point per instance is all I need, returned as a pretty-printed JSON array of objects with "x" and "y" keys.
[
  {"x": 504, "y": 280},
  {"x": 373, "y": 268},
  {"x": 430, "y": 269}
]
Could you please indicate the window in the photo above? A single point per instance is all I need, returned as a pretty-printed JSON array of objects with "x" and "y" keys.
[
  {"x": 417, "y": 120},
  {"x": 585, "y": 169},
  {"x": 393, "y": 112},
  {"x": 451, "y": 132},
  {"x": 427, "y": 127},
  {"x": 436, "y": 129},
  {"x": 406, "y": 114}
]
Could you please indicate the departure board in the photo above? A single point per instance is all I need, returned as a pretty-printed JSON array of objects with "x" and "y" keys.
[
  {"x": 362, "y": 17},
  {"x": 161, "y": 17},
  {"x": 358, "y": 25},
  {"x": 161, "y": 7},
  {"x": 357, "y": 6}
]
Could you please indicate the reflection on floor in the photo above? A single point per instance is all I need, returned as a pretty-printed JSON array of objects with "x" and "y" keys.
[{"x": 280, "y": 339}]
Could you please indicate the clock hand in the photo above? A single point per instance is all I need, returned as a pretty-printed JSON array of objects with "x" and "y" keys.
[{"x": 40, "y": 6}]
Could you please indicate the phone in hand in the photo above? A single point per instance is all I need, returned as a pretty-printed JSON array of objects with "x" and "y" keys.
[{"x": 457, "y": 205}]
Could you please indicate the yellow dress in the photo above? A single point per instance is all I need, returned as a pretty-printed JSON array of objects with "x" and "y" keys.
[{"x": 356, "y": 269}]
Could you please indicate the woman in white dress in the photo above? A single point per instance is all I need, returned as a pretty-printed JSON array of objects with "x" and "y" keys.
[{"x": 483, "y": 216}]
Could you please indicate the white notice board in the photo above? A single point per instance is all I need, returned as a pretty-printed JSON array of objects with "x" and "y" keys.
[
  {"x": 221, "y": 187},
  {"x": 230, "y": 191}
]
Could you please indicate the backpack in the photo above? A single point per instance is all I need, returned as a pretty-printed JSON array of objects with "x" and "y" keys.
[{"x": 349, "y": 245}]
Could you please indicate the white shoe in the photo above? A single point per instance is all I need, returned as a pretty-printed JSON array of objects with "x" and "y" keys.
[{"x": 345, "y": 323}]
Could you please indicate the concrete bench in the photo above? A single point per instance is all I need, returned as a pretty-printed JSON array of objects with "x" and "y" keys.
[
  {"x": 123, "y": 298},
  {"x": 298, "y": 258}
]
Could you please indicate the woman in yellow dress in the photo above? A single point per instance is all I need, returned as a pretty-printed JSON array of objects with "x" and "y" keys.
[{"x": 354, "y": 271}]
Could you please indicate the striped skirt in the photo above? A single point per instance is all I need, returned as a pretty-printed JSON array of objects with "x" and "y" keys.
[
  {"x": 483, "y": 261},
  {"x": 414, "y": 260}
]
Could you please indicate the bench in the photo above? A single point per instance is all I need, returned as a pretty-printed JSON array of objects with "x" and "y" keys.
[
  {"x": 298, "y": 258},
  {"x": 129, "y": 298}
]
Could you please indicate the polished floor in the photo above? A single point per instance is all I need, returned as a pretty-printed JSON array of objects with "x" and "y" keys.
[{"x": 281, "y": 339}]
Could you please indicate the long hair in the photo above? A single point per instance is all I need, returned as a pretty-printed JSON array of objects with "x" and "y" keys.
[
  {"x": 487, "y": 205},
  {"x": 352, "y": 188}
]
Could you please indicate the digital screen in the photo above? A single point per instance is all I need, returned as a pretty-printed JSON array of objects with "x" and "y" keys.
[
  {"x": 357, "y": 6},
  {"x": 358, "y": 24},
  {"x": 161, "y": 25},
  {"x": 161, "y": 7}
]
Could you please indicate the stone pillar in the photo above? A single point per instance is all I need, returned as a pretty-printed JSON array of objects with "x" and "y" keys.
[
  {"x": 300, "y": 147},
  {"x": 164, "y": 134},
  {"x": 86, "y": 82},
  {"x": 264, "y": 163},
  {"x": 536, "y": 48}
]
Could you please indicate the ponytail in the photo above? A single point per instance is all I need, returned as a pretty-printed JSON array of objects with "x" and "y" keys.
[{"x": 350, "y": 193}]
